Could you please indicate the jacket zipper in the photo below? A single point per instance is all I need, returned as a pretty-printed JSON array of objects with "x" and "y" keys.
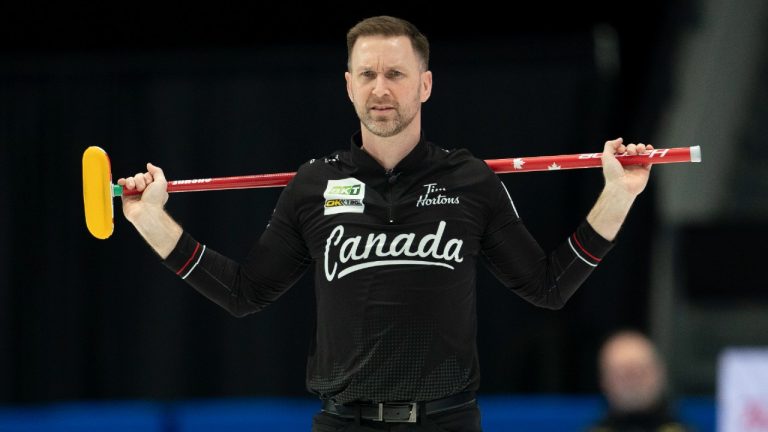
[{"x": 390, "y": 210}]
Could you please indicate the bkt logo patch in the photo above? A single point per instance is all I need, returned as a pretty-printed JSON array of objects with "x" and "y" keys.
[
  {"x": 345, "y": 190},
  {"x": 344, "y": 196}
]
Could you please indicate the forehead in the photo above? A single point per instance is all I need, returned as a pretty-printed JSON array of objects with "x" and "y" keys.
[
  {"x": 628, "y": 349},
  {"x": 383, "y": 51}
]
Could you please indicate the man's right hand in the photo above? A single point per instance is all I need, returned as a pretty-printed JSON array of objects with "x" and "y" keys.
[
  {"x": 154, "y": 187},
  {"x": 146, "y": 211}
]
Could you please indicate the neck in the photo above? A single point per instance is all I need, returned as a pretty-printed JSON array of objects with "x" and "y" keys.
[{"x": 389, "y": 151}]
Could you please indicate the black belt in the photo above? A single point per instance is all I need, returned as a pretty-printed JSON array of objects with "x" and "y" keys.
[{"x": 403, "y": 412}]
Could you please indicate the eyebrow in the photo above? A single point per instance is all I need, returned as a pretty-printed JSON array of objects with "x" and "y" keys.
[{"x": 395, "y": 66}]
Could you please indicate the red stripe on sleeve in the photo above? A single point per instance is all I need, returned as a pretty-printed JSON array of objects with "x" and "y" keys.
[
  {"x": 194, "y": 252},
  {"x": 584, "y": 250}
]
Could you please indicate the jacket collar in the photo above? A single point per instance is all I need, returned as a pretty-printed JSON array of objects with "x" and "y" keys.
[{"x": 411, "y": 162}]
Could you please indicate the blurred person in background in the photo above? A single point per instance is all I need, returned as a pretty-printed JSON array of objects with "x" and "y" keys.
[{"x": 633, "y": 380}]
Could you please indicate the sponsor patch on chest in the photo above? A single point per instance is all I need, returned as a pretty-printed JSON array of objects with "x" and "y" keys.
[
  {"x": 433, "y": 195},
  {"x": 344, "y": 196}
]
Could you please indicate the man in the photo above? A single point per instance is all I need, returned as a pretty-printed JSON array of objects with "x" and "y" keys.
[
  {"x": 633, "y": 380},
  {"x": 393, "y": 228}
]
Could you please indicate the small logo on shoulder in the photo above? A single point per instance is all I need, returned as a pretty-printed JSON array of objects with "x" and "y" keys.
[{"x": 344, "y": 196}]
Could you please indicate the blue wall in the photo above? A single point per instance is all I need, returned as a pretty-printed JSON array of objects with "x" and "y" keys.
[{"x": 500, "y": 413}]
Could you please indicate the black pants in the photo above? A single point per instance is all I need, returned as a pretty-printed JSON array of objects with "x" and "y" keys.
[{"x": 463, "y": 419}]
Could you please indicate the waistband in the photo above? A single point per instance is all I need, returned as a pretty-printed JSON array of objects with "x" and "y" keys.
[{"x": 402, "y": 412}]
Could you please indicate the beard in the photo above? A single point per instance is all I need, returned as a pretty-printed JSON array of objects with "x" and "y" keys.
[{"x": 388, "y": 126}]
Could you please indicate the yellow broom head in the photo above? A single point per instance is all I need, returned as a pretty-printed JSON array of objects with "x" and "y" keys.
[{"x": 97, "y": 192}]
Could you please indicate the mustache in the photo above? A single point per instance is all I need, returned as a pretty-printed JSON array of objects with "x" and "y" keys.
[{"x": 371, "y": 102}]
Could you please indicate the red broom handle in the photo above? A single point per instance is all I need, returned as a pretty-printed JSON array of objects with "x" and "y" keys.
[{"x": 500, "y": 166}]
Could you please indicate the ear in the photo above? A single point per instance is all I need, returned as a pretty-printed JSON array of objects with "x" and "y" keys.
[
  {"x": 426, "y": 85},
  {"x": 348, "y": 79}
]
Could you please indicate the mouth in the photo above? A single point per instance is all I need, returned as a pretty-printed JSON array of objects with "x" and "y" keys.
[{"x": 381, "y": 108}]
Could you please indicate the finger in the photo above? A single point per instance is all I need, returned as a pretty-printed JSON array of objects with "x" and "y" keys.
[
  {"x": 156, "y": 172},
  {"x": 148, "y": 178},
  {"x": 632, "y": 149},
  {"x": 613, "y": 146},
  {"x": 130, "y": 183},
  {"x": 644, "y": 148},
  {"x": 121, "y": 181},
  {"x": 140, "y": 183}
]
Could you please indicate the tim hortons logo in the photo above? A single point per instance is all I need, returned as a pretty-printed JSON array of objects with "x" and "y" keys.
[
  {"x": 348, "y": 255},
  {"x": 429, "y": 198}
]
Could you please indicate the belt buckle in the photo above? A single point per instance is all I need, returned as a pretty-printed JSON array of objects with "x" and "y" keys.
[{"x": 412, "y": 415}]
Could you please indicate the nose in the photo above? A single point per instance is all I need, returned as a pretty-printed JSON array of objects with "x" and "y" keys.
[{"x": 380, "y": 86}]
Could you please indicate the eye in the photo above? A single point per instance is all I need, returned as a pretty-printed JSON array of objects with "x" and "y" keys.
[
  {"x": 369, "y": 74},
  {"x": 394, "y": 74}
]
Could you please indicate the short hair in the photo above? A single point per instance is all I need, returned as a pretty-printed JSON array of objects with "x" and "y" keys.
[{"x": 389, "y": 26}]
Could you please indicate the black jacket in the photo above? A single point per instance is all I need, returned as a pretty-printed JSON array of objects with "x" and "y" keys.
[{"x": 394, "y": 256}]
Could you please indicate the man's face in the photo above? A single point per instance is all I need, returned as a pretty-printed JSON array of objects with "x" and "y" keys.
[
  {"x": 386, "y": 83},
  {"x": 632, "y": 377}
]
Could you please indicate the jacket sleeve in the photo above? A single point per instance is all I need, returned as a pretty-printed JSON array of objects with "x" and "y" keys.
[
  {"x": 277, "y": 260},
  {"x": 518, "y": 261}
]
